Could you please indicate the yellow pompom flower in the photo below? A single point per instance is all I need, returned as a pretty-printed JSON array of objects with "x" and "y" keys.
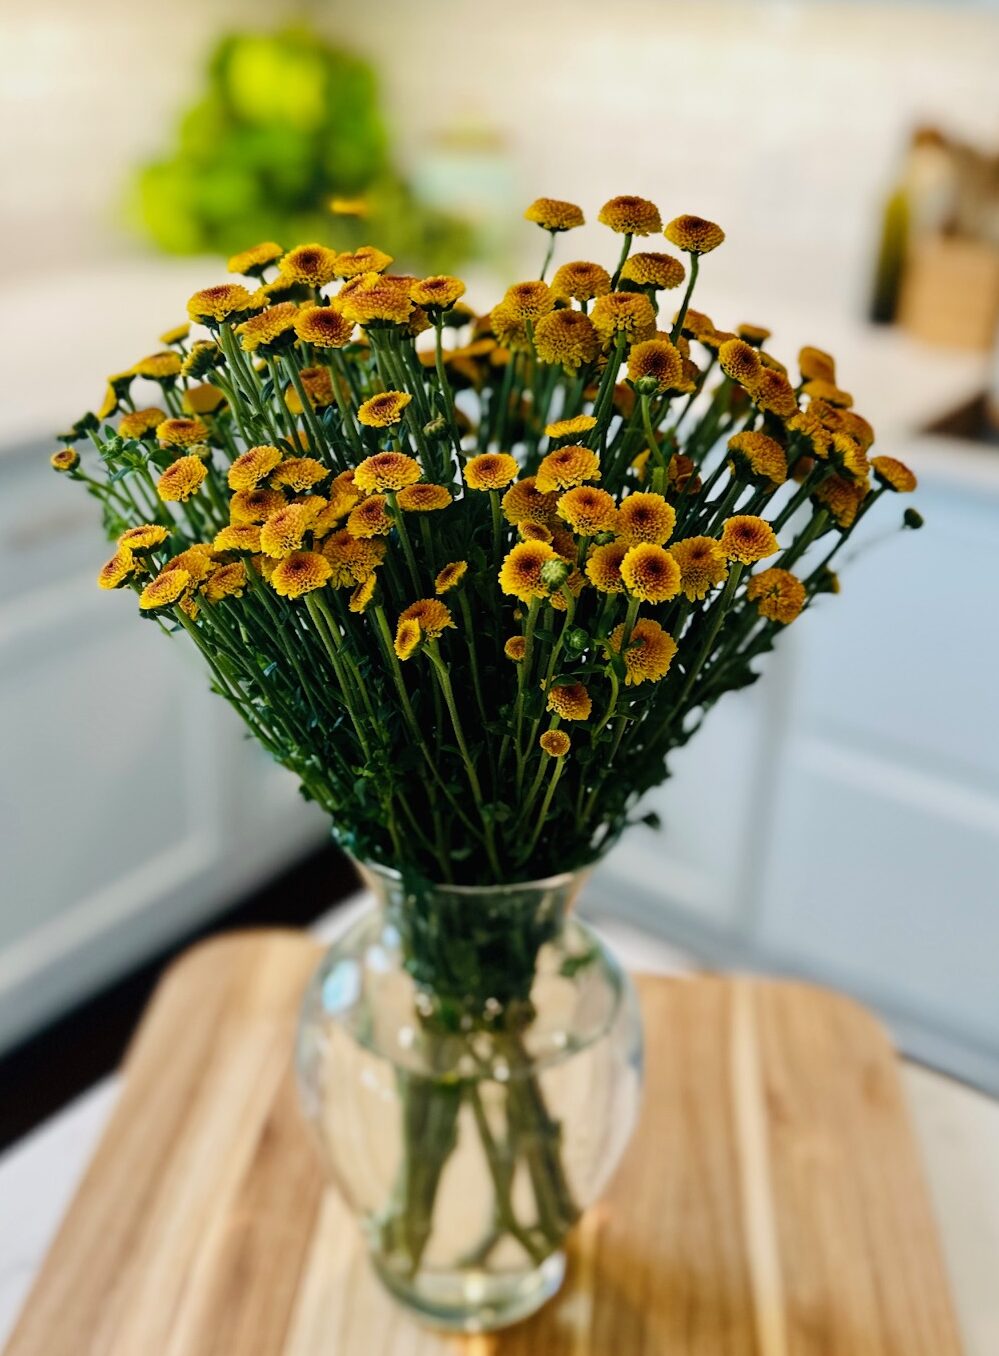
[
  {"x": 630, "y": 314},
  {"x": 284, "y": 531},
  {"x": 377, "y": 299},
  {"x": 407, "y": 638},
  {"x": 301, "y": 572},
  {"x": 384, "y": 409},
  {"x": 566, "y": 467},
  {"x": 553, "y": 214},
  {"x": 510, "y": 330},
  {"x": 228, "y": 581},
  {"x": 181, "y": 432},
  {"x": 180, "y": 480},
  {"x": 702, "y": 565},
  {"x": 528, "y": 531},
  {"x": 252, "y": 262},
  {"x": 842, "y": 498},
  {"x": 747, "y": 538},
  {"x": 352, "y": 559},
  {"x": 693, "y": 234},
  {"x": 529, "y": 300},
  {"x": 753, "y": 334},
  {"x": 438, "y": 293},
  {"x": 143, "y": 537},
  {"x": 117, "y": 571},
  {"x": 828, "y": 392},
  {"x": 759, "y": 457},
  {"x": 313, "y": 265},
  {"x": 238, "y": 537},
  {"x": 660, "y": 271},
  {"x": 570, "y": 701},
  {"x": 177, "y": 334},
  {"x": 588, "y": 510},
  {"x": 566, "y": 338},
  {"x": 66, "y": 459},
  {"x": 778, "y": 595},
  {"x": 432, "y": 616},
  {"x": 658, "y": 359},
  {"x": 603, "y": 567},
  {"x": 203, "y": 399},
  {"x": 849, "y": 457},
  {"x": 362, "y": 596},
  {"x": 254, "y": 506},
  {"x": 520, "y": 573},
  {"x": 629, "y": 215},
  {"x": 556, "y": 743},
  {"x": 424, "y": 498},
  {"x": 650, "y": 573},
  {"x": 137, "y": 423},
  {"x": 646, "y": 517},
  {"x": 253, "y": 466},
  {"x": 775, "y": 394},
  {"x": 225, "y": 302},
  {"x": 490, "y": 471},
  {"x": 894, "y": 473},
  {"x": 515, "y": 648},
  {"x": 299, "y": 473},
  {"x": 740, "y": 361},
  {"x": 165, "y": 590},
  {"x": 648, "y": 654},
  {"x": 323, "y": 326},
  {"x": 581, "y": 280},
  {"x": 451, "y": 576},
  {"x": 570, "y": 428},
  {"x": 857, "y": 427},
  {"x": 365, "y": 259},
  {"x": 575, "y": 582},
  {"x": 815, "y": 364},
  {"x": 525, "y": 503},
  {"x": 269, "y": 329},
  {"x": 159, "y": 366},
  {"x": 371, "y": 518},
  {"x": 386, "y": 471}
]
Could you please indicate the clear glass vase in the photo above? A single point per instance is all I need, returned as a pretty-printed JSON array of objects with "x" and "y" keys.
[{"x": 470, "y": 1058}]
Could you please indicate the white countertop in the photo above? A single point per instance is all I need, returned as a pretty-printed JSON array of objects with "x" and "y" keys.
[{"x": 957, "y": 1128}]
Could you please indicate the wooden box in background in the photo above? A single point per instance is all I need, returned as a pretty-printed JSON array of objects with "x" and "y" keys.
[{"x": 950, "y": 293}]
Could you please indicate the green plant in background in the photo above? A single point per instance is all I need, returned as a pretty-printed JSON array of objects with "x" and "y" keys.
[{"x": 285, "y": 124}]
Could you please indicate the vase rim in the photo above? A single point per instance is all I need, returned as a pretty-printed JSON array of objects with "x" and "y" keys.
[{"x": 556, "y": 882}]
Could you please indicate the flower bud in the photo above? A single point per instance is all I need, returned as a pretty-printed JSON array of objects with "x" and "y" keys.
[
  {"x": 554, "y": 573},
  {"x": 912, "y": 518}
]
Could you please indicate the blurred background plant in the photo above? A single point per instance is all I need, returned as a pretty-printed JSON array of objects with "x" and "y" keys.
[{"x": 287, "y": 141}]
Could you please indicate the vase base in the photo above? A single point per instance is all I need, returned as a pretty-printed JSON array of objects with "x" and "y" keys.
[{"x": 475, "y": 1301}]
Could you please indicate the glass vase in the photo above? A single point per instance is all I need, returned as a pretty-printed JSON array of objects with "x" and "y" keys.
[{"x": 470, "y": 1058}]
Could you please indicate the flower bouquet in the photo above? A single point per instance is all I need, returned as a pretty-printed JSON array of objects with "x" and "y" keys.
[{"x": 472, "y": 579}]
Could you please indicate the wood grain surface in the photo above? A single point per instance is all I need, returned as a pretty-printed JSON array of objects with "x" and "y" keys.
[{"x": 771, "y": 1204}]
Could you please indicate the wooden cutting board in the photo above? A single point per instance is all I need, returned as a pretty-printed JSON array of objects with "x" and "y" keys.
[{"x": 771, "y": 1204}]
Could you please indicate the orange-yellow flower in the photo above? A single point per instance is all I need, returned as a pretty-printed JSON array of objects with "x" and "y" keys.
[
  {"x": 164, "y": 590},
  {"x": 556, "y": 743},
  {"x": 570, "y": 428},
  {"x": 650, "y": 573},
  {"x": 228, "y": 581},
  {"x": 520, "y": 574},
  {"x": 740, "y": 361},
  {"x": 365, "y": 259},
  {"x": 384, "y": 409},
  {"x": 694, "y": 235},
  {"x": 284, "y": 531},
  {"x": 529, "y": 300},
  {"x": 229, "y": 302},
  {"x": 301, "y": 572},
  {"x": 645, "y": 517},
  {"x": 581, "y": 280},
  {"x": 180, "y": 480},
  {"x": 815, "y": 364},
  {"x": 566, "y": 467},
  {"x": 117, "y": 571},
  {"x": 181, "y": 432},
  {"x": 253, "y": 261},
  {"x": 775, "y": 394},
  {"x": 66, "y": 459},
  {"x": 424, "y": 498},
  {"x": 588, "y": 510},
  {"x": 759, "y": 457},
  {"x": 269, "y": 329},
  {"x": 778, "y": 595},
  {"x": 828, "y": 392},
  {"x": 842, "y": 498},
  {"x": 566, "y": 338},
  {"x": 386, "y": 471},
  {"x": 894, "y": 473},
  {"x": 159, "y": 366},
  {"x": 554, "y": 214},
  {"x": 702, "y": 565},
  {"x": 143, "y": 537},
  {"x": 490, "y": 471},
  {"x": 177, "y": 334},
  {"x": 451, "y": 576},
  {"x": 371, "y": 518},
  {"x": 603, "y": 567},
  {"x": 747, "y": 538},
  {"x": 648, "y": 654},
  {"x": 433, "y": 617},
  {"x": 238, "y": 537},
  {"x": 629, "y": 215},
  {"x": 352, "y": 559},
  {"x": 362, "y": 596},
  {"x": 629, "y": 314},
  {"x": 203, "y": 399},
  {"x": 323, "y": 326},
  {"x": 137, "y": 423},
  {"x": 660, "y": 271},
  {"x": 254, "y": 506},
  {"x": 658, "y": 359},
  {"x": 377, "y": 299},
  {"x": 524, "y": 502},
  {"x": 437, "y": 293},
  {"x": 407, "y": 638},
  {"x": 313, "y": 265},
  {"x": 299, "y": 473},
  {"x": 253, "y": 466},
  {"x": 571, "y": 701},
  {"x": 515, "y": 648}
]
